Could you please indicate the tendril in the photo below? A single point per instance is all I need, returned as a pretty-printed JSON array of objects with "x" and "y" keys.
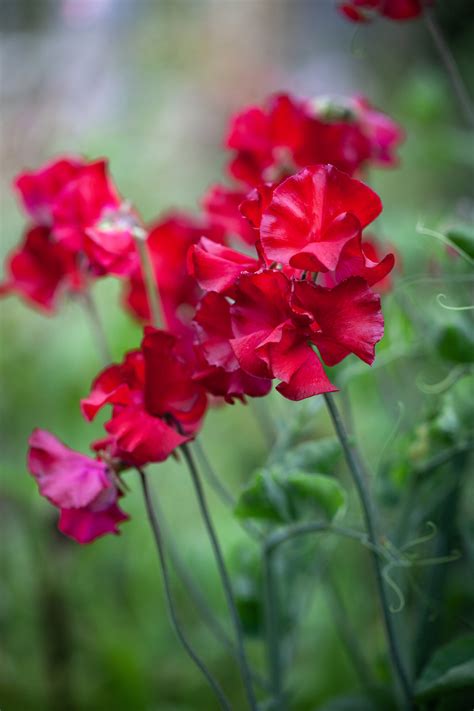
[
  {"x": 422, "y": 230},
  {"x": 394, "y": 609},
  {"x": 437, "y": 388},
  {"x": 433, "y": 529},
  {"x": 440, "y": 560},
  {"x": 440, "y": 299},
  {"x": 391, "y": 437}
]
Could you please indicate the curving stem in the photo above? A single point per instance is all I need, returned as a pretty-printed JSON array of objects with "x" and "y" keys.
[
  {"x": 152, "y": 517},
  {"x": 358, "y": 477},
  {"x": 244, "y": 665},
  {"x": 452, "y": 70}
]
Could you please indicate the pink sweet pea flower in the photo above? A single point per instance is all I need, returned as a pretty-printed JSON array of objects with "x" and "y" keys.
[{"x": 82, "y": 488}]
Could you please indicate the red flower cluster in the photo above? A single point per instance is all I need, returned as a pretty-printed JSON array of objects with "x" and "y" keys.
[
  {"x": 79, "y": 227},
  {"x": 156, "y": 404},
  {"x": 295, "y": 297},
  {"x": 309, "y": 225},
  {"x": 364, "y": 10},
  {"x": 287, "y": 133}
]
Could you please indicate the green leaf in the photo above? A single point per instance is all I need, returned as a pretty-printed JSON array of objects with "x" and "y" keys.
[
  {"x": 360, "y": 702},
  {"x": 246, "y": 584},
  {"x": 316, "y": 491},
  {"x": 463, "y": 237},
  {"x": 320, "y": 456},
  {"x": 455, "y": 344},
  {"x": 264, "y": 499},
  {"x": 451, "y": 668}
]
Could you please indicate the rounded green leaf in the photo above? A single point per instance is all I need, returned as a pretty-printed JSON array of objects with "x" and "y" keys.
[
  {"x": 317, "y": 492},
  {"x": 451, "y": 668},
  {"x": 463, "y": 237},
  {"x": 264, "y": 499},
  {"x": 456, "y": 344}
]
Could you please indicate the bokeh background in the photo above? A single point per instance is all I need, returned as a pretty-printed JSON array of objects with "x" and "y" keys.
[{"x": 151, "y": 85}]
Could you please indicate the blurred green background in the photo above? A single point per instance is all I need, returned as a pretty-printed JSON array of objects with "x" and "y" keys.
[{"x": 151, "y": 85}]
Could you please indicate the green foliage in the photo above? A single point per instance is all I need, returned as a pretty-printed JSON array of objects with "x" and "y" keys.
[
  {"x": 246, "y": 584},
  {"x": 463, "y": 237},
  {"x": 264, "y": 499},
  {"x": 284, "y": 497},
  {"x": 320, "y": 455},
  {"x": 450, "y": 669},
  {"x": 361, "y": 702},
  {"x": 456, "y": 344}
]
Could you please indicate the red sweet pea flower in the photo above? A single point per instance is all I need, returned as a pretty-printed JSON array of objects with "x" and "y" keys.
[
  {"x": 383, "y": 133},
  {"x": 169, "y": 241},
  {"x": 117, "y": 385},
  {"x": 40, "y": 270},
  {"x": 268, "y": 344},
  {"x": 372, "y": 250},
  {"x": 219, "y": 370},
  {"x": 156, "y": 404},
  {"x": 312, "y": 215},
  {"x": 343, "y": 320},
  {"x": 266, "y": 139},
  {"x": 110, "y": 243},
  {"x": 82, "y": 488},
  {"x": 362, "y": 259},
  {"x": 362, "y": 10},
  {"x": 272, "y": 142},
  {"x": 82, "y": 202},
  {"x": 39, "y": 189},
  {"x": 85, "y": 213},
  {"x": 275, "y": 320},
  {"x": 216, "y": 267},
  {"x": 221, "y": 207}
]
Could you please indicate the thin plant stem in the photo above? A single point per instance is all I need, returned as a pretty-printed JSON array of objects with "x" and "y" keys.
[
  {"x": 452, "y": 70},
  {"x": 150, "y": 281},
  {"x": 272, "y": 542},
  {"x": 244, "y": 665},
  {"x": 97, "y": 327},
  {"x": 222, "y": 491},
  {"x": 153, "y": 520},
  {"x": 198, "y": 597},
  {"x": 272, "y": 631},
  {"x": 347, "y": 633},
  {"x": 264, "y": 420},
  {"x": 358, "y": 476}
]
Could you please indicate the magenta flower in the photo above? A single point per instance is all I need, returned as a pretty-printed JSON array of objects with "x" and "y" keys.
[{"x": 82, "y": 488}]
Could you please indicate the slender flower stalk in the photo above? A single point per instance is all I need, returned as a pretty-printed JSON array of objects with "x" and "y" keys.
[
  {"x": 199, "y": 599},
  {"x": 452, "y": 70},
  {"x": 152, "y": 517},
  {"x": 154, "y": 301},
  {"x": 98, "y": 331},
  {"x": 149, "y": 277},
  {"x": 353, "y": 463},
  {"x": 244, "y": 665},
  {"x": 348, "y": 633},
  {"x": 222, "y": 491}
]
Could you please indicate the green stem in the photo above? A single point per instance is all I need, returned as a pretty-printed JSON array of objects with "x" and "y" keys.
[
  {"x": 222, "y": 491},
  {"x": 457, "y": 83},
  {"x": 97, "y": 327},
  {"x": 150, "y": 281},
  {"x": 347, "y": 633},
  {"x": 244, "y": 666},
  {"x": 152, "y": 518},
  {"x": 358, "y": 476},
  {"x": 273, "y": 541},
  {"x": 272, "y": 631},
  {"x": 199, "y": 599}
]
